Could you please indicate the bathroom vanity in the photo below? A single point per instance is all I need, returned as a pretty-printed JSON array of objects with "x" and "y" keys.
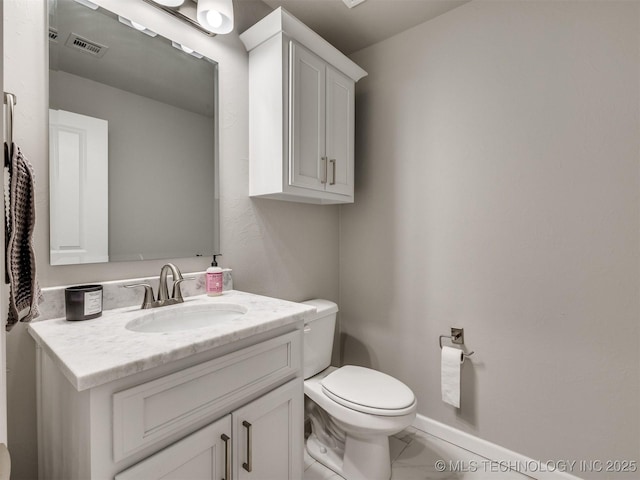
[{"x": 223, "y": 401}]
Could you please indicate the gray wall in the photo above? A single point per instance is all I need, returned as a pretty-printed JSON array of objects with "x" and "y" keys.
[
  {"x": 497, "y": 190},
  {"x": 275, "y": 248}
]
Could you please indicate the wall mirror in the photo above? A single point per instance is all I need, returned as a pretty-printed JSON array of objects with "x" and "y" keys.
[{"x": 133, "y": 141}]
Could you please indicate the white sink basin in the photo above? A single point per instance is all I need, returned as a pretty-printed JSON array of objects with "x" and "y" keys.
[{"x": 185, "y": 317}]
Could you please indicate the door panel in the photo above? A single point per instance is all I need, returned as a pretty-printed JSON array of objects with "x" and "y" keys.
[
  {"x": 307, "y": 119},
  {"x": 340, "y": 131},
  {"x": 78, "y": 180},
  {"x": 268, "y": 436}
]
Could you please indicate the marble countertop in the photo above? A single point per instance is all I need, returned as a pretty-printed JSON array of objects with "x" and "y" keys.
[{"x": 98, "y": 351}]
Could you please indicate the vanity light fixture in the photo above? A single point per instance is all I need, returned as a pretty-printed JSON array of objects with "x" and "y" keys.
[
  {"x": 136, "y": 26},
  {"x": 207, "y": 16}
]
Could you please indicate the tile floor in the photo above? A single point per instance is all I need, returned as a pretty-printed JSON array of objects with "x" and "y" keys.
[{"x": 414, "y": 455}]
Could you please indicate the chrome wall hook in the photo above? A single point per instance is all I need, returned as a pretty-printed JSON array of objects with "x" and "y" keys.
[{"x": 10, "y": 101}]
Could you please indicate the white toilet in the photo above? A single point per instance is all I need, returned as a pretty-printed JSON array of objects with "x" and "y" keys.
[{"x": 353, "y": 410}]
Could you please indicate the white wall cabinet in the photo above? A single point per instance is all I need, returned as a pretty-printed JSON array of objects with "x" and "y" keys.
[
  {"x": 302, "y": 113},
  {"x": 232, "y": 414}
]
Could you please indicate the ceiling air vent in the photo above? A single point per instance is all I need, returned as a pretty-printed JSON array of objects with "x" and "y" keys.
[
  {"x": 85, "y": 45},
  {"x": 53, "y": 34}
]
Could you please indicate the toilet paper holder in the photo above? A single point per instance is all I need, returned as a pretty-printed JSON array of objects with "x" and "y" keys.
[{"x": 457, "y": 338}]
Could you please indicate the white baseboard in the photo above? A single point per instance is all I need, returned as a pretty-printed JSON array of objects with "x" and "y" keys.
[{"x": 502, "y": 456}]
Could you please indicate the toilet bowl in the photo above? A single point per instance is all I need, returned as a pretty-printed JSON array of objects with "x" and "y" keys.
[{"x": 353, "y": 410}]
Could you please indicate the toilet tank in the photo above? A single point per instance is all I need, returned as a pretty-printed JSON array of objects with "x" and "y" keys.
[{"x": 318, "y": 336}]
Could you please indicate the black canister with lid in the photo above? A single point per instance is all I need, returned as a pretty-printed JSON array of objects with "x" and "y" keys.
[{"x": 83, "y": 302}]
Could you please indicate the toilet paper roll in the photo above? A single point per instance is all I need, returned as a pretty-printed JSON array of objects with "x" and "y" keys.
[{"x": 450, "y": 375}]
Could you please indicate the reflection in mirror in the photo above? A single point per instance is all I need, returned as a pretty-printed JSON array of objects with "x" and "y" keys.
[{"x": 133, "y": 154}]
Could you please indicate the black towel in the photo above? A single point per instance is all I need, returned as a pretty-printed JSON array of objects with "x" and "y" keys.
[{"x": 24, "y": 294}]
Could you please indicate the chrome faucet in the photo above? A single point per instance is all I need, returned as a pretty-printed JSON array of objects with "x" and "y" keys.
[{"x": 163, "y": 291}]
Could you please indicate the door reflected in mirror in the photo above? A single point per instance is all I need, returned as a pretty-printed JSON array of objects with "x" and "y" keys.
[{"x": 133, "y": 154}]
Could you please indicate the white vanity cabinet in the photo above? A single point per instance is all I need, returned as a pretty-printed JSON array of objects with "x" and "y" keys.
[
  {"x": 256, "y": 441},
  {"x": 235, "y": 412},
  {"x": 302, "y": 113}
]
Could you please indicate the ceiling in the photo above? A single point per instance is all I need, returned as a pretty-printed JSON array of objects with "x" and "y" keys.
[{"x": 350, "y": 30}]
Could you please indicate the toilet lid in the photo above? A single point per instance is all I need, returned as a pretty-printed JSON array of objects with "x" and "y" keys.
[{"x": 368, "y": 391}]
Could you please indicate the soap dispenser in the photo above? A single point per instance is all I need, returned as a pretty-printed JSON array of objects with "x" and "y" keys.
[{"x": 213, "y": 280}]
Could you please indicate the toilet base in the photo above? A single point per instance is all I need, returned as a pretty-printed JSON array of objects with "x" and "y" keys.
[
  {"x": 363, "y": 459},
  {"x": 326, "y": 456}
]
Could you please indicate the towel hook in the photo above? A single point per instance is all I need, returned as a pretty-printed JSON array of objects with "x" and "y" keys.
[
  {"x": 11, "y": 101},
  {"x": 457, "y": 338}
]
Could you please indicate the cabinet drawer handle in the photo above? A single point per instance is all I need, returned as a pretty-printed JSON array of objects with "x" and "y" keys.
[
  {"x": 333, "y": 169},
  {"x": 247, "y": 465},
  {"x": 227, "y": 457},
  {"x": 324, "y": 167}
]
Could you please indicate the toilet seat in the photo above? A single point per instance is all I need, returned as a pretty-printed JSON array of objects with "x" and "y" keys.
[{"x": 368, "y": 391}]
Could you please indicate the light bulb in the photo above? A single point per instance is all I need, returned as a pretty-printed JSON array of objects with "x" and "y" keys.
[{"x": 214, "y": 18}]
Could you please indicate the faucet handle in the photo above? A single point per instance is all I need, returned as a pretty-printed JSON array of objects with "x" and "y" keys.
[
  {"x": 147, "y": 302},
  {"x": 176, "y": 293}
]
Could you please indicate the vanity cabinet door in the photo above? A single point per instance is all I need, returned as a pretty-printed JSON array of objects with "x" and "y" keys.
[
  {"x": 203, "y": 455},
  {"x": 268, "y": 436}
]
